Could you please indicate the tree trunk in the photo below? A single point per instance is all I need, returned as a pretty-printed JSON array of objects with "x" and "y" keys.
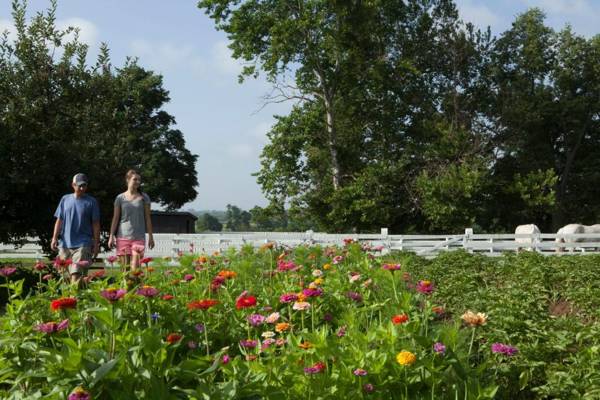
[{"x": 332, "y": 142}]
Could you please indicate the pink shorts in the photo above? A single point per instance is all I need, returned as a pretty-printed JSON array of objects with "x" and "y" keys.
[{"x": 125, "y": 247}]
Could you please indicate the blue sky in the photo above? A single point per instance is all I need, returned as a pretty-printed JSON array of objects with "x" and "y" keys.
[{"x": 219, "y": 117}]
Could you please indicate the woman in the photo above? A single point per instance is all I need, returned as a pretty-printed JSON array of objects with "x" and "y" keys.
[{"x": 131, "y": 221}]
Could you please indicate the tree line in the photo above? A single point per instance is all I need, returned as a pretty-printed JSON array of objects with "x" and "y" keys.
[{"x": 407, "y": 117}]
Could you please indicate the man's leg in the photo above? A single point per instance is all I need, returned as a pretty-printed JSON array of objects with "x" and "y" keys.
[{"x": 76, "y": 270}]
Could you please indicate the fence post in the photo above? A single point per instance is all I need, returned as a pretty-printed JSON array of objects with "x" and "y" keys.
[
  {"x": 309, "y": 236},
  {"x": 467, "y": 239}
]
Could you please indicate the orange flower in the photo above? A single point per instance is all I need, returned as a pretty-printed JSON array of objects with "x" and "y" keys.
[
  {"x": 306, "y": 345},
  {"x": 202, "y": 259},
  {"x": 474, "y": 319},
  {"x": 173, "y": 338},
  {"x": 227, "y": 274},
  {"x": 282, "y": 327},
  {"x": 202, "y": 304},
  {"x": 301, "y": 297},
  {"x": 399, "y": 319}
]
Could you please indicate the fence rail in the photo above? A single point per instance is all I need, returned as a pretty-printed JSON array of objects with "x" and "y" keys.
[{"x": 425, "y": 245}]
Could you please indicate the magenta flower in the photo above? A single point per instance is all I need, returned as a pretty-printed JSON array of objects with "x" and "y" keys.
[
  {"x": 315, "y": 369},
  {"x": 355, "y": 296},
  {"x": 255, "y": 319},
  {"x": 341, "y": 332},
  {"x": 111, "y": 259},
  {"x": 52, "y": 327},
  {"x": 288, "y": 298},
  {"x": 312, "y": 292},
  {"x": 147, "y": 291},
  {"x": 425, "y": 287},
  {"x": 39, "y": 266},
  {"x": 188, "y": 277},
  {"x": 359, "y": 372},
  {"x": 248, "y": 343},
  {"x": 391, "y": 267},
  {"x": 283, "y": 265},
  {"x": 7, "y": 271},
  {"x": 439, "y": 348},
  {"x": 501, "y": 348},
  {"x": 368, "y": 388},
  {"x": 112, "y": 294},
  {"x": 79, "y": 394},
  {"x": 225, "y": 359}
]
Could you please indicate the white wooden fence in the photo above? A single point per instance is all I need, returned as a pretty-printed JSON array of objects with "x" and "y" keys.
[{"x": 425, "y": 245}]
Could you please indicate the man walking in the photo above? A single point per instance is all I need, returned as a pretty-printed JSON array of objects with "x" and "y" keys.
[{"x": 78, "y": 227}]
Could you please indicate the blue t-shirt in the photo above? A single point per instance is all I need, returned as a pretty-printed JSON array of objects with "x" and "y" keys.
[{"x": 77, "y": 216}]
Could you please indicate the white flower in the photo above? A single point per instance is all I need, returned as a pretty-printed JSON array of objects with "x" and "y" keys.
[
  {"x": 317, "y": 272},
  {"x": 268, "y": 334}
]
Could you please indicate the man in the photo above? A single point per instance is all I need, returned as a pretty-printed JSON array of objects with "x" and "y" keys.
[{"x": 78, "y": 225}]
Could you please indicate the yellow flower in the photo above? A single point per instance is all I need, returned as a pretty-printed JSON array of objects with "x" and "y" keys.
[
  {"x": 406, "y": 358},
  {"x": 474, "y": 319},
  {"x": 301, "y": 297},
  {"x": 326, "y": 266},
  {"x": 318, "y": 281}
]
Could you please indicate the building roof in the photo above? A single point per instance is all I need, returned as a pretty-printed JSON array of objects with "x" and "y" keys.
[{"x": 175, "y": 214}]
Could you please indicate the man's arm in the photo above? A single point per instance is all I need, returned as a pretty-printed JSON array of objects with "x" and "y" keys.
[
  {"x": 96, "y": 227},
  {"x": 55, "y": 233}
]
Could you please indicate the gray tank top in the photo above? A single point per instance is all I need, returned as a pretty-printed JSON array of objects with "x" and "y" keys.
[{"x": 132, "y": 224}]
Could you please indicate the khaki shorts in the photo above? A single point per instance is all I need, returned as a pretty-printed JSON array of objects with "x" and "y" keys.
[{"x": 77, "y": 254}]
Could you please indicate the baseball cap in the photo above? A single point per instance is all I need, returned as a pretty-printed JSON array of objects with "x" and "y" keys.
[{"x": 80, "y": 179}]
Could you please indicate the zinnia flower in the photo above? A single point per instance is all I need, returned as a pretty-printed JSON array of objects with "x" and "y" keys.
[
  {"x": 501, "y": 348},
  {"x": 317, "y": 273},
  {"x": 39, "y": 266},
  {"x": 267, "y": 343},
  {"x": 301, "y": 305},
  {"x": 425, "y": 287},
  {"x": 256, "y": 319},
  {"x": 272, "y": 318},
  {"x": 268, "y": 334},
  {"x": 63, "y": 303},
  {"x": 474, "y": 319},
  {"x": 312, "y": 292},
  {"x": 7, "y": 271},
  {"x": 167, "y": 297},
  {"x": 359, "y": 372},
  {"x": 199, "y": 328},
  {"x": 341, "y": 332},
  {"x": 79, "y": 394},
  {"x": 112, "y": 294},
  {"x": 52, "y": 327},
  {"x": 192, "y": 345},
  {"x": 337, "y": 259},
  {"x": 283, "y": 265},
  {"x": 225, "y": 359},
  {"x": 306, "y": 345},
  {"x": 406, "y": 358},
  {"x": 391, "y": 267},
  {"x": 202, "y": 304},
  {"x": 355, "y": 296},
  {"x": 315, "y": 369},
  {"x": 368, "y": 388},
  {"x": 439, "y": 348},
  {"x": 282, "y": 327},
  {"x": 188, "y": 277},
  {"x": 399, "y": 319},
  {"x": 288, "y": 297},
  {"x": 147, "y": 291},
  {"x": 248, "y": 343},
  {"x": 216, "y": 283},
  {"x": 145, "y": 260},
  {"x": 111, "y": 259},
  {"x": 227, "y": 274},
  {"x": 173, "y": 338},
  {"x": 245, "y": 301}
]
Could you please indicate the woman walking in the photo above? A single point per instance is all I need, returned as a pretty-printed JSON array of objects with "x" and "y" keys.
[{"x": 131, "y": 222}]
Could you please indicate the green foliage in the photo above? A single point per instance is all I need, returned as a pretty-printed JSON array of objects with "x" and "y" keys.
[
  {"x": 59, "y": 116},
  {"x": 237, "y": 219},
  {"x": 208, "y": 222}
]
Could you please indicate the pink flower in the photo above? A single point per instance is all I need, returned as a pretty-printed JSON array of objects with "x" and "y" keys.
[
  {"x": 355, "y": 296},
  {"x": 360, "y": 372},
  {"x": 283, "y": 265},
  {"x": 288, "y": 298},
  {"x": 272, "y": 318},
  {"x": 225, "y": 359},
  {"x": 83, "y": 263},
  {"x": 425, "y": 287},
  {"x": 439, "y": 348},
  {"x": 315, "y": 369},
  {"x": 113, "y": 294},
  {"x": 52, "y": 327},
  {"x": 147, "y": 291},
  {"x": 255, "y": 319},
  {"x": 501, "y": 348},
  {"x": 7, "y": 271},
  {"x": 188, "y": 277},
  {"x": 337, "y": 259},
  {"x": 248, "y": 343},
  {"x": 341, "y": 332},
  {"x": 79, "y": 394},
  {"x": 312, "y": 292},
  {"x": 192, "y": 345},
  {"x": 48, "y": 277},
  {"x": 267, "y": 343},
  {"x": 111, "y": 259},
  {"x": 39, "y": 266},
  {"x": 391, "y": 267},
  {"x": 301, "y": 305}
]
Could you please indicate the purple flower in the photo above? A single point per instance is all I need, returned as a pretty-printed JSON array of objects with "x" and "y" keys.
[
  {"x": 359, "y": 372},
  {"x": 355, "y": 296},
  {"x": 439, "y": 348},
  {"x": 188, "y": 277},
  {"x": 52, "y": 327},
  {"x": 155, "y": 316},
  {"x": 79, "y": 394},
  {"x": 7, "y": 271},
  {"x": 501, "y": 348},
  {"x": 368, "y": 388},
  {"x": 312, "y": 292},
  {"x": 248, "y": 343},
  {"x": 147, "y": 291},
  {"x": 328, "y": 317},
  {"x": 255, "y": 319},
  {"x": 112, "y": 294},
  {"x": 288, "y": 298},
  {"x": 199, "y": 328}
]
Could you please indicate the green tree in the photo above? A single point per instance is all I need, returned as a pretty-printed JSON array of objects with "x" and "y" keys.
[
  {"x": 59, "y": 116},
  {"x": 208, "y": 222},
  {"x": 237, "y": 219}
]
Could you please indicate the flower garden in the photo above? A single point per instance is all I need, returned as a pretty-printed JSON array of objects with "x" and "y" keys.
[{"x": 310, "y": 323}]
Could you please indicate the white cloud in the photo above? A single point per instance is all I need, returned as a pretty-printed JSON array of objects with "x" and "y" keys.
[
  {"x": 259, "y": 132},
  {"x": 242, "y": 150},
  {"x": 572, "y": 7},
  {"x": 88, "y": 32},
  {"x": 479, "y": 14},
  {"x": 166, "y": 56},
  {"x": 6, "y": 25},
  {"x": 222, "y": 60}
]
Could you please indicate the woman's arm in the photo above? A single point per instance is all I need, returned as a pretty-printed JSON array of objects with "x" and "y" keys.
[
  {"x": 113, "y": 226},
  {"x": 148, "y": 219}
]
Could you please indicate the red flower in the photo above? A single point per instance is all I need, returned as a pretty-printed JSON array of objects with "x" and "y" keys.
[
  {"x": 399, "y": 319},
  {"x": 245, "y": 301},
  {"x": 173, "y": 338},
  {"x": 63, "y": 303},
  {"x": 202, "y": 304},
  {"x": 146, "y": 260},
  {"x": 168, "y": 297}
]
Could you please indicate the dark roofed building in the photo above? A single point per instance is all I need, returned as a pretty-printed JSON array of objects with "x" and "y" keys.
[{"x": 173, "y": 222}]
